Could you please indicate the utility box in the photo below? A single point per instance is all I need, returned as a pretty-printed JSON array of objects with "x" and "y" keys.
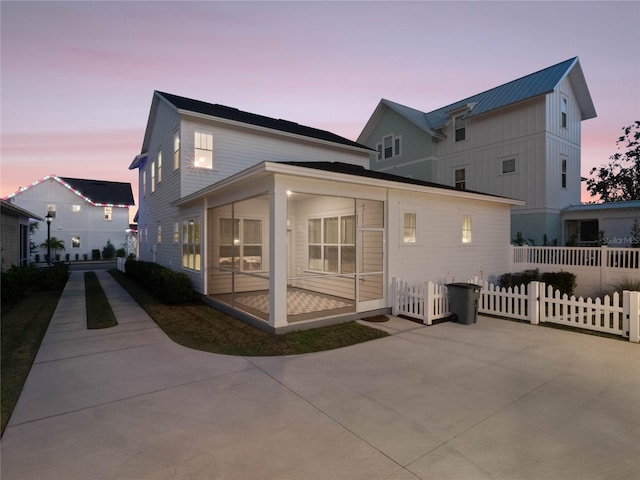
[{"x": 463, "y": 301}]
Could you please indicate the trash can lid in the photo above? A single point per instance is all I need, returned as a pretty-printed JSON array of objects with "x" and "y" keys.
[{"x": 464, "y": 285}]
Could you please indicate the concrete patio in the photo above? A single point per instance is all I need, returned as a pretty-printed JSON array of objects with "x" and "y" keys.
[{"x": 497, "y": 399}]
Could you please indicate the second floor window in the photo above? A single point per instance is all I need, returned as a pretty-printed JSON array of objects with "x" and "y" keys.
[
  {"x": 153, "y": 177},
  {"x": 563, "y": 174},
  {"x": 108, "y": 211},
  {"x": 390, "y": 147},
  {"x": 176, "y": 151},
  {"x": 203, "y": 152},
  {"x": 460, "y": 126},
  {"x": 460, "y": 179},
  {"x": 159, "y": 167},
  {"x": 563, "y": 113}
]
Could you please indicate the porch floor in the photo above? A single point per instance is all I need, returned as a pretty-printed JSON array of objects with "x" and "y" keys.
[{"x": 301, "y": 304}]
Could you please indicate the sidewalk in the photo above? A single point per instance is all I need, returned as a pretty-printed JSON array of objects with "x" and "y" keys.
[{"x": 497, "y": 399}]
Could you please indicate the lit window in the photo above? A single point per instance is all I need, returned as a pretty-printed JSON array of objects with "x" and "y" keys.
[
  {"x": 153, "y": 177},
  {"x": 191, "y": 244},
  {"x": 159, "y": 233},
  {"x": 466, "y": 230},
  {"x": 509, "y": 166},
  {"x": 332, "y": 246},
  {"x": 410, "y": 227},
  {"x": 75, "y": 242},
  {"x": 460, "y": 179},
  {"x": 563, "y": 112},
  {"x": 176, "y": 151},
  {"x": 51, "y": 210},
  {"x": 108, "y": 211},
  {"x": 203, "y": 152},
  {"x": 176, "y": 232},
  {"x": 159, "y": 167},
  {"x": 460, "y": 126},
  {"x": 75, "y": 208},
  {"x": 144, "y": 183},
  {"x": 563, "y": 174}
]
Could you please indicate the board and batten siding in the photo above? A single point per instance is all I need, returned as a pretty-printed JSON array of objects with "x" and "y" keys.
[{"x": 439, "y": 254}]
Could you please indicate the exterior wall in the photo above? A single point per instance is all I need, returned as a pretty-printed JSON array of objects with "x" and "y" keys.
[
  {"x": 10, "y": 235},
  {"x": 439, "y": 254},
  {"x": 415, "y": 159},
  {"x": 88, "y": 224},
  {"x": 616, "y": 223}
]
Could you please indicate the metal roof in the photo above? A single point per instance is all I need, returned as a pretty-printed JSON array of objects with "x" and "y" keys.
[
  {"x": 629, "y": 204},
  {"x": 230, "y": 113}
]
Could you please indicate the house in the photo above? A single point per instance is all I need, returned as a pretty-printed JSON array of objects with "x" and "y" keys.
[
  {"x": 14, "y": 234},
  {"x": 519, "y": 140},
  {"x": 283, "y": 225},
  {"x": 602, "y": 224},
  {"x": 86, "y": 213}
]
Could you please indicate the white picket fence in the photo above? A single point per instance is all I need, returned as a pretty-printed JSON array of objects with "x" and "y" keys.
[
  {"x": 429, "y": 301},
  {"x": 120, "y": 263}
]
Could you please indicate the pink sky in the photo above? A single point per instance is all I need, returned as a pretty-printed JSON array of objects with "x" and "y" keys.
[{"x": 78, "y": 77}]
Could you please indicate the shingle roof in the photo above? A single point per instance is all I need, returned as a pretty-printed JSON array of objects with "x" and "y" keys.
[
  {"x": 230, "y": 113},
  {"x": 101, "y": 191},
  {"x": 357, "y": 170}
]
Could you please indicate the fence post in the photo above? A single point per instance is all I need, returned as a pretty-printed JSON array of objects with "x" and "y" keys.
[
  {"x": 394, "y": 296},
  {"x": 428, "y": 301},
  {"x": 631, "y": 309},
  {"x": 534, "y": 302}
]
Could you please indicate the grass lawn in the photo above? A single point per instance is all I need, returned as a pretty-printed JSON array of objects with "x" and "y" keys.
[
  {"x": 99, "y": 313},
  {"x": 23, "y": 327},
  {"x": 196, "y": 325}
]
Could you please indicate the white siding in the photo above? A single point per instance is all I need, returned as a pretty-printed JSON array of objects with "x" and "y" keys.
[{"x": 88, "y": 223}]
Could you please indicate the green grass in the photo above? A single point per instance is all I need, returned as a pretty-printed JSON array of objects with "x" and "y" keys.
[
  {"x": 99, "y": 312},
  {"x": 198, "y": 326},
  {"x": 23, "y": 327}
]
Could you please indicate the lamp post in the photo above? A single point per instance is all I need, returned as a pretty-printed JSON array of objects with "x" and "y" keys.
[{"x": 49, "y": 218}]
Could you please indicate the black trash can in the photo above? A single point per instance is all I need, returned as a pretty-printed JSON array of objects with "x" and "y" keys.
[{"x": 463, "y": 301}]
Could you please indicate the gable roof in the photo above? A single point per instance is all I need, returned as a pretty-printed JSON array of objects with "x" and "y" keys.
[
  {"x": 530, "y": 86},
  {"x": 99, "y": 193},
  {"x": 184, "y": 104},
  {"x": 11, "y": 209}
]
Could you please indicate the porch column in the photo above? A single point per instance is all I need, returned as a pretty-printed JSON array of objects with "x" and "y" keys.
[{"x": 278, "y": 256}]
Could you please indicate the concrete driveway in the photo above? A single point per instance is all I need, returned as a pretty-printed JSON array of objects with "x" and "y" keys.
[{"x": 496, "y": 399}]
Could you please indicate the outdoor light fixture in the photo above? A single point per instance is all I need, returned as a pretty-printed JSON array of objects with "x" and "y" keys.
[{"x": 49, "y": 218}]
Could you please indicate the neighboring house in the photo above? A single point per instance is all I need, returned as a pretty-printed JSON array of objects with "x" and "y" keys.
[
  {"x": 519, "y": 140},
  {"x": 14, "y": 234},
  {"x": 282, "y": 225},
  {"x": 86, "y": 213},
  {"x": 602, "y": 224}
]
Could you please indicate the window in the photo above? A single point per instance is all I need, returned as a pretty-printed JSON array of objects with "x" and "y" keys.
[
  {"x": 176, "y": 232},
  {"x": 176, "y": 151},
  {"x": 460, "y": 179},
  {"x": 203, "y": 154},
  {"x": 509, "y": 166},
  {"x": 159, "y": 167},
  {"x": 563, "y": 173},
  {"x": 466, "y": 229},
  {"x": 390, "y": 147},
  {"x": 563, "y": 112},
  {"x": 191, "y": 244},
  {"x": 159, "y": 233},
  {"x": 144, "y": 182},
  {"x": 240, "y": 244},
  {"x": 332, "y": 244},
  {"x": 460, "y": 126},
  {"x": 75, "y": 242},
  {"x": 75, "y": 208},
  {"x": 51, "y": 210},
  {"x": 410, "y": 230},
  {"x": 108, "y": 211},
  {"x": 153, "y": 177}
]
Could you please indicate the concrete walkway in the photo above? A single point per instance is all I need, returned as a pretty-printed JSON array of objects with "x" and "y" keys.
[{"x": 496, "y": 399}]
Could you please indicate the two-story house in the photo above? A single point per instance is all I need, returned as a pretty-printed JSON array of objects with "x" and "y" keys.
[
  {"x": 86, "y": 213},
  {"x": 283, "y": 225},
  {"x": 519, "y": 140}
]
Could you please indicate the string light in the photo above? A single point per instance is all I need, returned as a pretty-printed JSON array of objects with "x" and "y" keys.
[{"x": 69, "y": 187}]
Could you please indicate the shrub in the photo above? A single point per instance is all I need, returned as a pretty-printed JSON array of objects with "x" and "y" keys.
[
  {"x": 95, "y": 254},
  {"x": 631, "y": 284},
  {"x": 108, "y": 251},
  {"x": 16, "y": 282},
  {"x": 563, "y": 281},
  {"x": 510, "y": 280},
  {"x": 121, "y": 253},
  {"x": 53, "y": 278},
  {"x": 166, "y": 285}
]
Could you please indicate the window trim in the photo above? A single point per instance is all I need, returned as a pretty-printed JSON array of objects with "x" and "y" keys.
[
  {"x": 200, "y": 146},
  {"x": 460, "y": 127},
  {"x": 159, "y": 169},
  {"x": 395, "y": 147},
  {"x": 153, "y": 176},
  {"x": 460, "y": 184},
  {"x": 340, "y": 244},
  {"x": 176, "y": 151},
  {"x": 563, "y": 171},
  {"x": 196, "y": 254}
]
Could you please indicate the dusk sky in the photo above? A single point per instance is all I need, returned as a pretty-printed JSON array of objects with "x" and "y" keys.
[{"x": 77, "y": 78}]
